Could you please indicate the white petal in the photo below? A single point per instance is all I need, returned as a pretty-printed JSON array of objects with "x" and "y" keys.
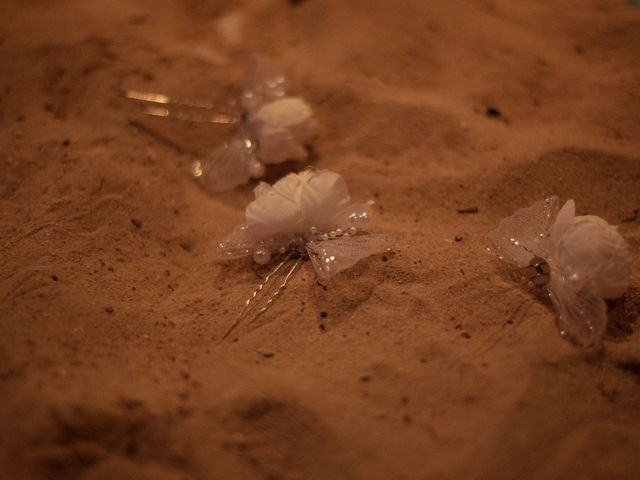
[
  {"x": 282, "y": 128},
  {"x": 279, "y": 145},
  {"x": 592, "y": 248},
  {"x": 290, "y": 185},
  {"x": 261, "y": 189},
  {"x": 323, "y": 196},
  {"x": 272, "y": 214},
  {"x": 301, "y": 200},
  {"x": 564, "y": 220},
  {"x": 289, "y": 112}
]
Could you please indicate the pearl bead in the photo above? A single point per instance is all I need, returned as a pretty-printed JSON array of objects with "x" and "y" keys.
[
  {"x": 323, "y": 237},
  {"x": 313, "y": 230},
  {"x": 196, "y": 168},
  {"x": 256, "y": 168},
  {"x": 353, "y": 230},
  {"x": 261, "y": 256},
  {"x": 339, "y": 232},
  {"x": 332, "y": 234}
]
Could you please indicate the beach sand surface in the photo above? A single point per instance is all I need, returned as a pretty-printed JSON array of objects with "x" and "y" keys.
[{"x": 427, "y": 363}]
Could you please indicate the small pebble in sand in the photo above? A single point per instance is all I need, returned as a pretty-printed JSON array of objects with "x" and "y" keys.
[
  {"x": 468, "y": 210},
  {"x": 136, "y": 222},
  {"x": 108, "y": 309},
  {"x": 493, "y": 112}
]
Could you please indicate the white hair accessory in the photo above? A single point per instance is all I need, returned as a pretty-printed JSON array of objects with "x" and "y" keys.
[
  {"x": 276, "y": 127},
  {"x": 305, "y": 214},
  {"x": 579, "y": 260}
]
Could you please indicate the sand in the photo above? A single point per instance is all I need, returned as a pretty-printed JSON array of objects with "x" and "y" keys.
[{"x": 429, "y": 363}]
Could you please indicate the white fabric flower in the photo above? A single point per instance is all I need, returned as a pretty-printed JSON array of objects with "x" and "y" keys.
[
  {"x": 588, "y": 261},
  {"x": 588, "y": 246},
  {"x": 282, "y": 128},
  {"x": 297, "y": 202}
]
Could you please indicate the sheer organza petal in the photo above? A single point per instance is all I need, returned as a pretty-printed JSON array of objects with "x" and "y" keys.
[
  {"x": 524, "y": 235},
  {"x": 581, "y": 315},
  {"x": 238, "y": 244},
  {"x": 227, "y": 167},
  {"x": 243, "y": 241},
  {"x": 333, "y": 256},
  {"x": 357, "y": 215},
  {"x": 264, "y": 82}
]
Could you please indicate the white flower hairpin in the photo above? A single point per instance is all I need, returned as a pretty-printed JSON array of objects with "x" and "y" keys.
[
  {"x": 577, "y": 260},
  {"x": 302, "y": 215},
  {"x": 274, "y": 126}
]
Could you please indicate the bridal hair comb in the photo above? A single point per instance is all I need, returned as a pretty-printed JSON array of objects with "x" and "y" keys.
[
  {"x": 274, "y": 126},
  {"x": 577, "y": 260},
  {"x": 302, "y": 215}
]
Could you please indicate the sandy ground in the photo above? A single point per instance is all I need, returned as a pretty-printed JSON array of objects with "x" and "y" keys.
[{"x": 427, "y": 364}]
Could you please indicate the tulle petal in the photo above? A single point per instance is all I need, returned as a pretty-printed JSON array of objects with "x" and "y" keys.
[
  {"x": 356, "y": 215},
  {"x": 263, "y": 82},
  {"x": 334, "y": 256},
  {"x": 226, "y": 168},
  {"x": 238, "y": 244},
  {"x": 581, "y": 315},
  {"x": 243, "y": 241},
  {"x": 524, "y": 235}
]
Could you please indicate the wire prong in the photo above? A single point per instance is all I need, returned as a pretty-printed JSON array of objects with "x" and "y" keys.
[{"x": 247, "y": 303}]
